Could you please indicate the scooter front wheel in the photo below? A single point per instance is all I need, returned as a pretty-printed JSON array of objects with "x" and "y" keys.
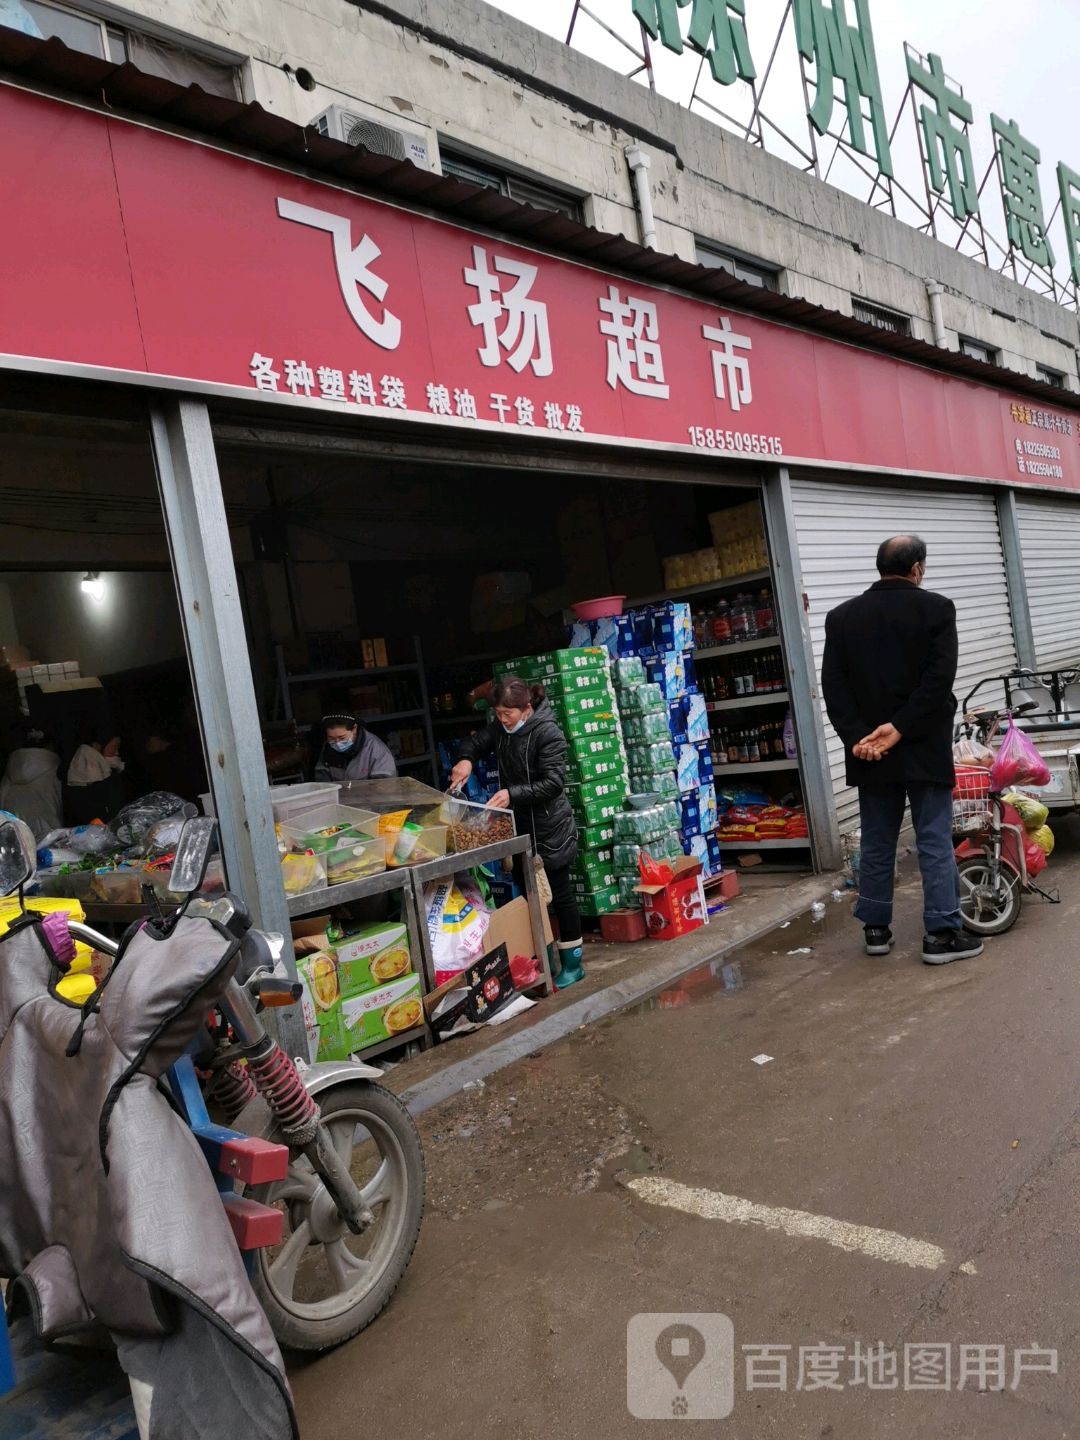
[
  {"x": 322, "y": 1284},
  {"x": 989, "y": 903}
]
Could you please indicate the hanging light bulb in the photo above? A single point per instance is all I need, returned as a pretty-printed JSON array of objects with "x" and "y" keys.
[{"x": 93, "y": 586}]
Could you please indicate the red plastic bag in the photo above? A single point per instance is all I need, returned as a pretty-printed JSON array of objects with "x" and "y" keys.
[
  {"x": 525, "y": 971},
  {"x": 1017, "y": 762},
  {"x": 1035, "y": 856},
  {"x": 654, "y": 872}
]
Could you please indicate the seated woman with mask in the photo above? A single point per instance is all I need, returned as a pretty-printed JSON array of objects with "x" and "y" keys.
[{"x": 351, "y": 753}]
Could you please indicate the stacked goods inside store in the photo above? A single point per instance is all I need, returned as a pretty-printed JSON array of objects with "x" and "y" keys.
[
  {"x": 739, "y": 539},
  {"x": 665, "y": 718},
  {"x": 738, "y": 548},
  {"x": 578, "y": 686}
]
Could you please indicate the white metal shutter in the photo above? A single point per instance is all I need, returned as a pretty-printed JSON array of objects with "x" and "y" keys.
[
  {"x": 1050, "y": 542},
  {"x": 839, "y": 529}
]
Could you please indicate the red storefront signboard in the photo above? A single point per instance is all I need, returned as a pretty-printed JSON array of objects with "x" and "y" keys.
[{"x": 148, "y": 254}]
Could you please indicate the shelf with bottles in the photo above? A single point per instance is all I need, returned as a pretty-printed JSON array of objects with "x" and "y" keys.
[
  {"x": 755, "y": 742},
  {"x": 752, "y": 676},
  {"x": 750, "y": 616}
]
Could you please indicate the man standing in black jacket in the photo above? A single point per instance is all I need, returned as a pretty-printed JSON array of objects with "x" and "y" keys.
[{"x": 887, "y": 678}]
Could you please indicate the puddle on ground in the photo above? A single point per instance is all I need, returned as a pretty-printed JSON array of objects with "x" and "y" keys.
[{"x": 813, "y": 933}]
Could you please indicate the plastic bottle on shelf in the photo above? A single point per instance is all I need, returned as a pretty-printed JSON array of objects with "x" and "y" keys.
[
  {"x": 738, "y": 619},
  {"x": 721, "y": 624},
  {"x": 766, "y": 621}
]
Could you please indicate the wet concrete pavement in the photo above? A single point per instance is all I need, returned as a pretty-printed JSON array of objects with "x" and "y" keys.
[{"x": 939, "y": 1104}]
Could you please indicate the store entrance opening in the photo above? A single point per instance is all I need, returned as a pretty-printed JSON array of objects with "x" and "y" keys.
[
  {"x": 96, "y": 702},
  {"x": 393, "y": 590}
]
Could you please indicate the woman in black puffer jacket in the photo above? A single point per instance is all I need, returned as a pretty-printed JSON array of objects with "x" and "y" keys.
[{"x": 531, "y": 753}]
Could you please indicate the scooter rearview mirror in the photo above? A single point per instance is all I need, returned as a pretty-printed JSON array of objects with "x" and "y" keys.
[
  {"x": 18, "y": 858},
  {"x": 193, "y": 855}
]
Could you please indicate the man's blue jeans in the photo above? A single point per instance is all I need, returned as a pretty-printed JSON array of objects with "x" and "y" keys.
[{"x": 882, "y": 814}]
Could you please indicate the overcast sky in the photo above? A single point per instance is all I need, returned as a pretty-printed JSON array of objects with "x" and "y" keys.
[{"x": 1013, "y": 59}]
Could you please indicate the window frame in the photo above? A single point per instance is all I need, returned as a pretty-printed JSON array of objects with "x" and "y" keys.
[
  {"x": 118, "y": 24},
  {"x": 1049, "y": 376},
  {"x": 762, "y": 274},
  {"x": 493, "y": 175},
  {"x": 987, "y": 354},
  {"x": 901, "y": 323}
]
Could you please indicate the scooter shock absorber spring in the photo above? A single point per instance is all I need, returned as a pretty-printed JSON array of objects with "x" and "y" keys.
[
  {"x": 233, "y": 1087},
  {"x": 279, "y": 1082}
]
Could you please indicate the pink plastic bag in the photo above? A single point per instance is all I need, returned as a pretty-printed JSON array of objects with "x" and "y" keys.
[{"x": 1018, "y": 762}]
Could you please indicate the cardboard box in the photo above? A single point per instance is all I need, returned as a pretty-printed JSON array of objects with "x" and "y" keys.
[
  {"x": 585, "y": 725},
  {"x": 607, "y": 745},
  {"x": 600, "y": 902},
  {"x": 588, "y": 879},
  {"x": 590, "y": 701},
  {"x": 594, "y": 812},
  {"x": 370, "y": 956},
  {"x": 510, "y": 926},
  {"x": 678, "y": 907},
  {"x": 597, "y": 837},
  {"x": 382, "y": 1013},
  {"x": 555, "y": 662},
  {"x": 584, "y": 769}
]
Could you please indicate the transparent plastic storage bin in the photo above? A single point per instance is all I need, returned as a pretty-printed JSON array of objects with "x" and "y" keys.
[
  {"x": 421, "y": 838},
  {"x": 473, "y": 826},
  {"x": 355, "y": 860},
  {"x": 291, "y": 801},
  {"x": 303, "y": 832}
]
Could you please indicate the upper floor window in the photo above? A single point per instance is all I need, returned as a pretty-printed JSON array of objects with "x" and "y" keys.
[
  {"x": 880, "y": 317},
  {"x": 1050, "y": 377},
  {"x": 976, "y": 350},
  {"x": 88, "y": 33},
  {"x": 743, "y": 267},
  {"x": 510, "y": 184}
]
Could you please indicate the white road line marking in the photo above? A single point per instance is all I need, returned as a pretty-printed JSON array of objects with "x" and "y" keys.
[{"x": 862, "y": 1239}]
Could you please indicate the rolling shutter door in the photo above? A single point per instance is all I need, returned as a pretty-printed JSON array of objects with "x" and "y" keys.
[
  {"x": 839, "y": 528},
  {"x": 1050, "y": 543}
]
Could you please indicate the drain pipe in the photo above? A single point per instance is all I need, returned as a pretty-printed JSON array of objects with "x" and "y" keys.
[
  {"x": 935, "y": 290},
  {"x": 639, "y": 170}
]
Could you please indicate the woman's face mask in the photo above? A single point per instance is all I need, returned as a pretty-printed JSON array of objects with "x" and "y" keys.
[
  {"x": 341, "y": 743},
  {"x": 510, "y": 718}
]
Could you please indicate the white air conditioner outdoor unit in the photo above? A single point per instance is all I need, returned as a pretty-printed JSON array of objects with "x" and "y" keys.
[{"x": 372, "y": 132}]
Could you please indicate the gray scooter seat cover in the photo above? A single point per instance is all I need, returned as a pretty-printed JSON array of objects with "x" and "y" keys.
[{"x": 108, "y": 1210}]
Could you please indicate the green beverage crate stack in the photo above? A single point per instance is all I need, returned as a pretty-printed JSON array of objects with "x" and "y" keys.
[
  {"x": 578, "y": 685},
  {"x": 651, "y": 771}
]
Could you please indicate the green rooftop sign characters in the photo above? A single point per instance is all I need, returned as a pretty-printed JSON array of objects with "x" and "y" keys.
[
  {"x": 843, "y": 51},
  {"x": 948, "y": 147},
  {"x": 1025, "y": 219},
  {"x": 1069, "y": 188},
  {"x": 717, "y": 30}
]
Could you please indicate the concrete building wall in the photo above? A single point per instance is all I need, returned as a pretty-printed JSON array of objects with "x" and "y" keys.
[{"x": 492, "y": 85}]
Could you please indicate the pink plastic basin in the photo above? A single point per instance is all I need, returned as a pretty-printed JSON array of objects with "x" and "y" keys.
[{"x": 599, "y": 609}]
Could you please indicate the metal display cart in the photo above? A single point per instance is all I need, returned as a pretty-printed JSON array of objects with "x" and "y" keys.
[{"x": 410, "y": 881}]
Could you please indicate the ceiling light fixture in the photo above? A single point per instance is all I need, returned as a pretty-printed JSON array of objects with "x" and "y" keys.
[{"x": 93, "y": 586}]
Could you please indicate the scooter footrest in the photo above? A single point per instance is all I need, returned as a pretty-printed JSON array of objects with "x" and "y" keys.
[
  {"x": 254, "y": 1226},
  {"x": 254, "y": 1161}
]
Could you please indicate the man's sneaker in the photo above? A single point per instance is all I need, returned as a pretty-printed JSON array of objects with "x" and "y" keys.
[
  {"x": 945, "y": 945},
  {"x": 879, "y": 939}
]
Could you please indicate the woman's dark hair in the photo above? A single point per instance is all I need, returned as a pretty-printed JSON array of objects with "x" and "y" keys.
[
  {"x": 515, "y": 694},
  {"x": 340, "y": 717}
]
